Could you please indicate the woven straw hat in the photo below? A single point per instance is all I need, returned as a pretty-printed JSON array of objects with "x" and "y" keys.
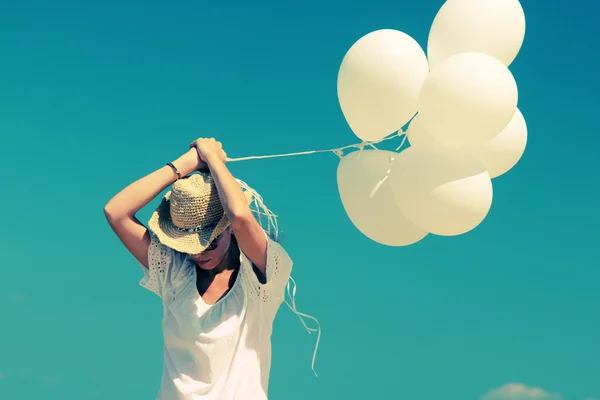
[{"x": 191, "y": 216}]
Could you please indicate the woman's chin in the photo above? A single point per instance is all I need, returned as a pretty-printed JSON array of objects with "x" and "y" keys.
[{"x": 207, "y": 265}]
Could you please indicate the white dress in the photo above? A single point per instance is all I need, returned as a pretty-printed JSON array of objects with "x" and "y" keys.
[{"x": 220, "y": 351}]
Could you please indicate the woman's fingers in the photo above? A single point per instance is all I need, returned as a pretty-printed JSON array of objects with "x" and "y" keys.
[{"x": 209, "y": 145}]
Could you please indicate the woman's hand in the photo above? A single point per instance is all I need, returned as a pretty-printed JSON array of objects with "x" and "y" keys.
[
  {"x": 209, "y": 150},
  {"x": 195, "y": 161}
]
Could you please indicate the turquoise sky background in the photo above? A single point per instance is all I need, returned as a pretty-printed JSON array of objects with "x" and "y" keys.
[{"x": 94, "y": 95}]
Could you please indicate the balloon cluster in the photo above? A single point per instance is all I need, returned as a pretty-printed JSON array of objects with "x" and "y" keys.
[{"x": 464, "y": 127}]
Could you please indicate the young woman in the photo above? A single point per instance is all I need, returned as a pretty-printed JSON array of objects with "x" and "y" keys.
[{"x": 221, "y": 278}]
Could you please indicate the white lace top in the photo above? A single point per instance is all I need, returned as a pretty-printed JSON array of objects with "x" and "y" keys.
[{"x": 220, "y": 351}]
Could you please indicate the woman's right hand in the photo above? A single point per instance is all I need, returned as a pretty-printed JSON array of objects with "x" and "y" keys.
[
  {"x": 200, "y": 165},
  {"x": 190, "y": 162},
  {"x": 209, "y": 149}
]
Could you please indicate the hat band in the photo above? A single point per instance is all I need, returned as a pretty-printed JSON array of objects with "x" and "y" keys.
[{"x": 196, "y": 229}]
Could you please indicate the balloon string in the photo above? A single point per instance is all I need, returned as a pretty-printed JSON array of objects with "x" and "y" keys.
[
  {"x": 402, "y": 143},
  {"x": 338, "y": 151}
]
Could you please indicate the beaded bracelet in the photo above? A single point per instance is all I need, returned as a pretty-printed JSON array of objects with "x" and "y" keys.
[{"x": 170, "y": 164}]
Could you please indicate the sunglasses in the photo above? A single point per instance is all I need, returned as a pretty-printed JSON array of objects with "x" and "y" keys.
[{"x": 214, "y": 244}]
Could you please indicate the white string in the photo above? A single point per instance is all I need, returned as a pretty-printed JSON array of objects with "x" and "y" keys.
[
  {"x": 338, "y": 151},
  {"x": 387, "y": 174},
  {"x": 378, "y": 185},
  {"x": 261, "y": 209},
  {"x": 402, "y": 143},
  {"x": 292, "y": 306}
]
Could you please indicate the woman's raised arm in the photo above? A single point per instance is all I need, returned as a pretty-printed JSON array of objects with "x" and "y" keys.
[
  {"x": 121, "y": 209},
  {"x": 249, "y": 233}
]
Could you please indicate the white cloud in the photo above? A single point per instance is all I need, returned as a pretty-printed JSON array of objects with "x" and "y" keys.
[{"x": 518, "y": 391}]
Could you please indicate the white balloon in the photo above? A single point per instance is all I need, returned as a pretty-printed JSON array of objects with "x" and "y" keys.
[
  {"x": 498, "y": 155},
  {"x": 441, "y": 191},
  {"x": 418, "y": 135},
  {"x": 494, "y": 27},
  {"x": 379, "y": 81},
  {"x": 368, "y": 202},
  {"x": 501, "y": 153},
  {"x": 467, "y": 99}
]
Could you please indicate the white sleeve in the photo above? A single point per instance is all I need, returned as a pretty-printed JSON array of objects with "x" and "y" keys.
[
  {"x": 279, "y": 265},
  {"x": 163, "y": 265},
  {"x": 278, "y": 271}
]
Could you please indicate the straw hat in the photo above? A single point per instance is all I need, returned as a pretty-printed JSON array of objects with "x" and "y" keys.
[{"x": 191, "y": 216}]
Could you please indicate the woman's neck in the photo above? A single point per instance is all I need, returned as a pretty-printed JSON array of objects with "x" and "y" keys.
[{"x": 231, "y": 260}]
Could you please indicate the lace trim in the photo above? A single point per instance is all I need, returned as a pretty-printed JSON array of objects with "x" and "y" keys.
[
  {"x": 269, "y": 292},
  {"x": 159, "y": 259}
]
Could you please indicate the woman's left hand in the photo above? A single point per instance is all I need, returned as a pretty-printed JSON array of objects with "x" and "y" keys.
[{"x": 209, "y": 150}]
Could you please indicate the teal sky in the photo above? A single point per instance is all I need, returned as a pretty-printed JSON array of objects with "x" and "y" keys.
[{"x": 94, "y": 95}]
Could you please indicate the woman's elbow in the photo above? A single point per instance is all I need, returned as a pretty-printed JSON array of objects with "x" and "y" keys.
[
  {"x": 113, "y": 213},
  {"x": 241, "y": 218},
  {"x": 109, "y": 213}
]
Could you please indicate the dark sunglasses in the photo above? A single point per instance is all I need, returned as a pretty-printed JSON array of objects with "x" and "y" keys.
[{"x": 214, "y": 244}]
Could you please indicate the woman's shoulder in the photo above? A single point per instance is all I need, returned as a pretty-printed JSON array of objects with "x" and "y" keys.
[{"x": 270, "y": 284}]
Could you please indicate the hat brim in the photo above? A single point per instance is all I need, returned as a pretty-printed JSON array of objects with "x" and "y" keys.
[{"x": 162, "y": 226}]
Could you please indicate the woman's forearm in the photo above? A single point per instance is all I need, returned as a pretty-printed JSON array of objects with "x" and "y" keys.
[
  {"x": 137, "y": 195},
  {"x": 230, "y": 192},
  {"x": 249, "y": 233}
]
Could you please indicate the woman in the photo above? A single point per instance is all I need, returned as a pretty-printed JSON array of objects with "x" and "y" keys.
[{"x": 221, "y": 278}]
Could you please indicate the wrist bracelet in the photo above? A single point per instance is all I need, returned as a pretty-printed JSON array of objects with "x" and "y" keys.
[{"x": 170, "y": 164}]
